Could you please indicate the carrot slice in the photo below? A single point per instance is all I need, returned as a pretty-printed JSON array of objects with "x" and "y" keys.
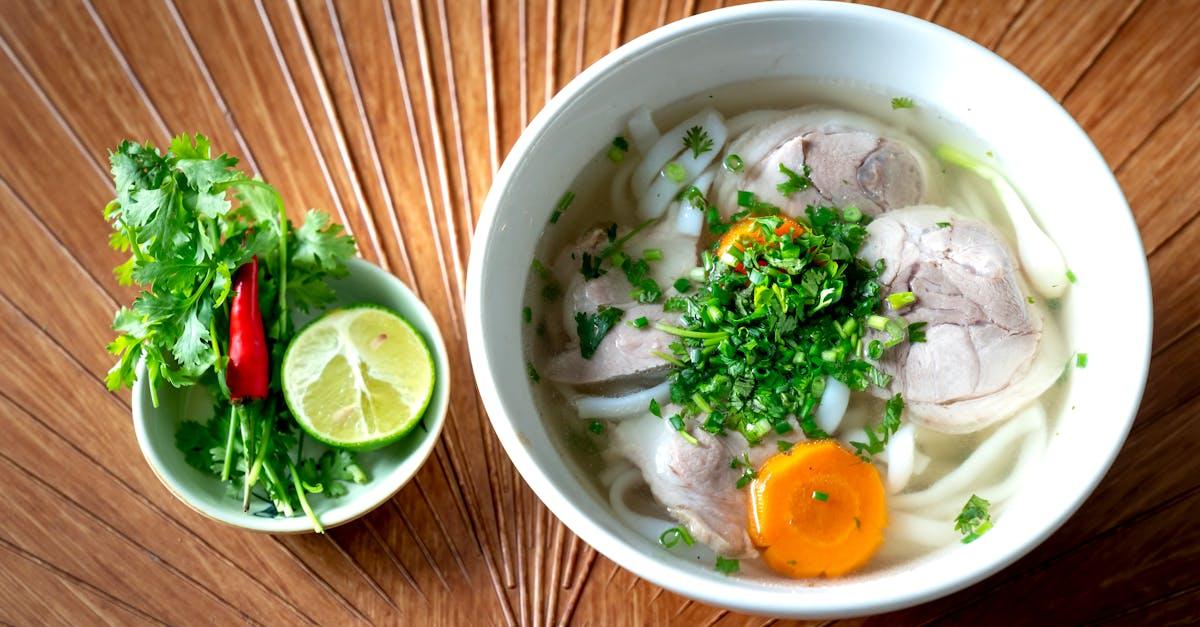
[
  {"x": 817, "y": 511},
  {"x": 748, "y": 230}
]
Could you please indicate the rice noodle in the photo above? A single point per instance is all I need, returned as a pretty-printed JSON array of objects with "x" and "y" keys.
[
  {"x": 900, "y": 455},
  {"x": 647, "y": 526},
  {"x": 663, "y": 190},
  {"x": 619, "y": 192},
  {"x": 832, "y": 407},
  {"x": 666, "y": 148},
  {"x": 743, "y": 122},
  {"x": 985, "y": 458},
  {"x": 616, "y": 407},
  {"x": 643, "y": 133}
]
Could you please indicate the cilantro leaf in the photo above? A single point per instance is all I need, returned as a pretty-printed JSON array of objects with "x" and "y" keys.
[
  {"x": 593, "y": 327},
  {"x": 974, "y": 520},
  {"x": 876, "y": 443},
  {"x": 697, "y": 140},
  {"x": 320, "y": 245},
  {"x": 903, "y": 103},
  {"x": 794, "y": 181}
]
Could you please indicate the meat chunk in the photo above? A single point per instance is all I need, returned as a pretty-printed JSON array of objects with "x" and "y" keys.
[
  {"x": 987, "y": 351},
  {"x": 852, "y": 162},
  {"x": 697, "y": 482},
  {"x": 624, "y": 357}
]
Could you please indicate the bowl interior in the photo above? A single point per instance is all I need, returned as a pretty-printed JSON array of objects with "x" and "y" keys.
[
  {"x": 389, "y": 468},
  {"x": 1058, "y": 171}
]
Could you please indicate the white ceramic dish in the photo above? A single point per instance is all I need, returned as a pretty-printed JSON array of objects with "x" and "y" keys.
[
  {"x": 1047, "y": 155},
  {"x": 389, "y": 468}
]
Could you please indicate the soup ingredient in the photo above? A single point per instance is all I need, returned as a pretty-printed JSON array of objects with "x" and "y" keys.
[
  {"x": 902, "y": 103},
  {"x": 974, "y": 520},
  {"x": 875, "y": 444},
  {"x": 978, "y": 324},
  {"x": 848, "y": 159},
  {"x": 1040, "y": 257},
  {"x": 246, "y": 374},
  {"x": 358, "y": 378},
  {"x": 616, "y": 152},
  {"x": 697, "y": 141},
  {"x": 697, "y": 483},
  {"x": 726, "y": 566},
  {"x": 817, "y": 511},
  {"x": 564, "y": 203},
  {"x": 690, "y": 146},
  {"x": 757, "y": 345},
  {"x": 593, "y": 327},
  {"x": 624, "y": 356},
  {"x": 673, "y": 536},
  {"x": 186, "y": 238},
  {"x": 793, "y": 181},
  {"x": 749, "y": 230}
]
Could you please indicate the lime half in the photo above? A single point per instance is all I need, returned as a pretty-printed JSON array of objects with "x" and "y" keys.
[{"x": 358, "y": 377}]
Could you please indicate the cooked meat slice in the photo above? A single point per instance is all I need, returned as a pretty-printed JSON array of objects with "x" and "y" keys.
[
  {"x": 625, "y": 356},
  {"x": 852, "y": 162},
  {"x": 986, "y": 352}
]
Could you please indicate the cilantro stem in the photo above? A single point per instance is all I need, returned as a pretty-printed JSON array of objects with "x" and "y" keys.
[
  {"x": 262, "y": 455},
  {"x": 229, "y": 440},
  {"x": 280, "y": 488},
  {"x": 300, "y": 492},
  {"x": 247, "y": 454},
  {"x": 621, "y": 241}
]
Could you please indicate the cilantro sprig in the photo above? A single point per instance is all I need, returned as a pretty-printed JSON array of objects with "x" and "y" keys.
[
  {"x": 188, "y": 221},
  {"x": 697, "y": 140}
]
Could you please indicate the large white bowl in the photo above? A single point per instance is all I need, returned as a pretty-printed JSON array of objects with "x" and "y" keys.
[{"x": 1053, "y": 163}]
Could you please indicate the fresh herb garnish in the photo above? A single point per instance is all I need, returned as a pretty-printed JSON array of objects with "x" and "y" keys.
[
  {"x": 916, "y": 332},
  {"x": 640, "y": 322},
  {"x": 527, "y": 315},
  {"x": 734, "y": 163},
  {"x": 674, "y": 172},
  {"x": 532, "y": 372},
  {"x": 748, "y": 472},
  {"x": 697, "y": 140},
  {"x": 755, "y": 348},
  {"x": 943, "y": 225},
  {"x": 974, "y": 520},
  {"x": 593, "y": 327},
  {"x": 563, "y": 203},
  {"x": 1081, "y": 360},
  {"x": 673, "y": 536},
  {"x": 892, "y": 410},
  {"x": 616, "y": 152},
  {"x": 727, "y": 566},
  {"x": 654, "y": 408},
  {"x": 756, "y": 207},
  {"x": 1071, "y": 276},
  {"x": 900, "y": 300},
  {"x": 596, "y": 427},
  {"x": 174, "y": 212},
  {"x": 794, "y": 181},
  {"x": 784, "y": 446},
  {"x": 818, "y": 495},
  {"x": 903, "y": 103},
  {"x": 591, "y": 267}
]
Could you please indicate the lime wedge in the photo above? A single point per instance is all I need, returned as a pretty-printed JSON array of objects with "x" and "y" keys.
[{"x": 358, "y": 377}]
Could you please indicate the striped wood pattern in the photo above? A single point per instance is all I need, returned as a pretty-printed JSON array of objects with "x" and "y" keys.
[{"x": 394, "y": 114}]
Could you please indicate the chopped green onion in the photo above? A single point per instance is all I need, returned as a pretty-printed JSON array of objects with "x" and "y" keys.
[
  {"x": 851, "y": 214},
  {"x": 784, "y": 446},
  {"x": 733, "y": 163},
  {"x": 673, "y": 536},
  {"x": 527, "y": 314},
  {"x": 943, "y": 225},
  {"x": 900, "y": 300},
  {"x": 540, "y": 269},
  {"x": 1081, "y": 360},
  {"x": 678, "y": 424},
  {"x": 554, "y": 216},
  {"x": 682, "y": 285},
  {"x": 654, "y": 408},
  {"x": 532, "y": 372},
  {"x": 877, "y": 322},
  {"x": 674, "y": 172},
  {"x": 652, "y": 254},
  {"x": 596, "y": 427},
  {"x": 726, "y": 566},
  {"x": 616, "y": 152},
  {"x": 1030, "y": 300},
  {"x": 567, "y": 198},
  {"x": 820, "y": 496},
  {"x": 1071, "y": 276},
  {"x": 639, "y": 323}
]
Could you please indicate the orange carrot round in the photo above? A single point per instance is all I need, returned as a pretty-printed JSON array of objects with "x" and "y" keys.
[
  {"x": 817, "y": 511},
  {"x": 748, "y": 230}
]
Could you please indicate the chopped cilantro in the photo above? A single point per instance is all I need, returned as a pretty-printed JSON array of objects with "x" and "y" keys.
[
  {"x": 974, "y": 520},
  {"x": 891, "y": 422},
  {"x": 903, "y": 103},
  {"x": 532, "y": 372},
  {"x": 593, "y": 327},
  {"x": 794, "y": 181},
  {"x": 591, "y": 267},
  {"x": 596, "y": 427},
  {"x": 654, "y": 408},
  {"x": 527, "y": 315},
  {"x": 916, "y": 332},
  {"x": 682, "y": 285},
  {"x": 616, "y": 151}
]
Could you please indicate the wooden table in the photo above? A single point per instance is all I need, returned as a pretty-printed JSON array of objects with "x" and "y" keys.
[{"x": 394, "y": 117}]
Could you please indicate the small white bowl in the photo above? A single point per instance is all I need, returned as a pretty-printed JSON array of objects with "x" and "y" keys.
[
  {"x": 1058, "y": 170},
  {"x": 389, "y": 468}
]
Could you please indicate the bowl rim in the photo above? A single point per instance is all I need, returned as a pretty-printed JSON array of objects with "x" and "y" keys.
[
  {"x": 435, "y": 417},
  {"x": 681, "y": 581}
]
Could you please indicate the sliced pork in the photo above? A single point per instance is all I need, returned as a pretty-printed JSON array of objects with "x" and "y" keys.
[
  {"x": 852, "y": 160},
  {"x": 986, "y": 354}
]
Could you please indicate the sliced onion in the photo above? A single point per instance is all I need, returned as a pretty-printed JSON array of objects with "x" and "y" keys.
[{"x": 615, "y": 407}]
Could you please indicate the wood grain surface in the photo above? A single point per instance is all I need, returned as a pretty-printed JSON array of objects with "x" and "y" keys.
[{"x": 394, "y": 115}]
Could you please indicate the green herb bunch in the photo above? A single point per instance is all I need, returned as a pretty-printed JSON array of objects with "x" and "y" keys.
[
  {"x": 772, "y": 320},
  {"x": 189, "y": 220}
]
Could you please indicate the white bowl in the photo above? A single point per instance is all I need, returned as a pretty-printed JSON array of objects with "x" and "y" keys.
[
  {"x": 1058, "y": 170},
  {"x": 389, "y": 468}
]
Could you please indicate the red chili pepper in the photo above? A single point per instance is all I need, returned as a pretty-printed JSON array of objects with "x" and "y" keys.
[{"x": 248, "y": 373}]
